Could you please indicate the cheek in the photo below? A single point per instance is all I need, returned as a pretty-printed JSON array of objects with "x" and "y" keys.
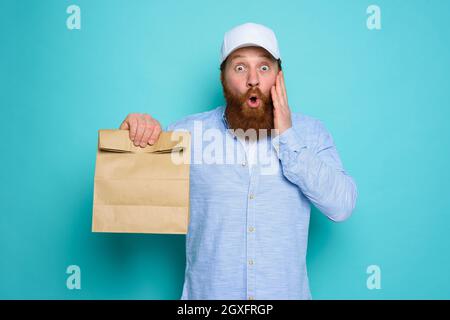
[
  {"x": 267, "y": 84},
  {"x": 237, "y": 84}
]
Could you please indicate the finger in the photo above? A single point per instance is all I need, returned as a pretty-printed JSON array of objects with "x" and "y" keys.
[
  {"x": 155, "y": 135},
  {"x": 275, "y": 100},
  {"x": 140, "y": 131},
  {"x": 149, "y": 124},
  {"x": 283, "y": 87},
  {"x": 133, "y": 128},
  {"x": 124, "y": 126},
  {"x": 276, "y": 108},
  {"x": 147, "y": 134},
  {"x": 278, "y": 89},
  {"x": 281, "y": 93}
]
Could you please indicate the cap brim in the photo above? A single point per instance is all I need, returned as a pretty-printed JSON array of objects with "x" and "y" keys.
[{"x": 251, "y": 44}]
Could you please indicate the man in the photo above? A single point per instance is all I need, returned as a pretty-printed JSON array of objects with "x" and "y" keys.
[{"x": 248, "y": 228}]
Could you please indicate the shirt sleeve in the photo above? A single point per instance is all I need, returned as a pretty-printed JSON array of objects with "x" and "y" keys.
[
  {"x": 318, "y": 172},
  {"x": 177, "y": 126}
]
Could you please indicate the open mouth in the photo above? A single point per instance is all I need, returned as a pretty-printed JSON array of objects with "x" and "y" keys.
[{"x": 253, "y": 101}]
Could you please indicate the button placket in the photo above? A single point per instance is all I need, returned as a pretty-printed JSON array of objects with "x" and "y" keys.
[{"x": 251, "y": 240}]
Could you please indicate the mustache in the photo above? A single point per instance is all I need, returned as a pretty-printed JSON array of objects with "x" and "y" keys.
[{"x": 255, "y": 92}]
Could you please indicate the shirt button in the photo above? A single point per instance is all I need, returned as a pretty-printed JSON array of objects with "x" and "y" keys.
[
  {"x": 250, "y": 262},
  {"x": 251, "y": 229},
  {"x": 251, "y": 298},
  {"x": 252, "y": 196},
  {"x": 244, "y": 164}
]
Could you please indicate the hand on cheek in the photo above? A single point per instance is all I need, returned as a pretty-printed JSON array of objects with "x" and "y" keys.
[{"x": 281, "y": 111}]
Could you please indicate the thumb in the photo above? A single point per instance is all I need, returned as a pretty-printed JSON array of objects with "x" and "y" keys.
[{"x": 124, "y": 126}]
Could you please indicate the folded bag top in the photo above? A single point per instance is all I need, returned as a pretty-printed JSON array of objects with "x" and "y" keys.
[{"x": 119, "y": 141}]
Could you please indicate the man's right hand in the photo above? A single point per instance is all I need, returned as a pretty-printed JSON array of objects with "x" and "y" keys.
[{"x": 143, "y": 129}]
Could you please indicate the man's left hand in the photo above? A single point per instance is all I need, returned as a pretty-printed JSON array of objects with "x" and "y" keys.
[{"x": 281, "y": 112}]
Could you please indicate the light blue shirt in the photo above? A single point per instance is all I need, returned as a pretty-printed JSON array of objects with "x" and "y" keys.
[{"x": 248, "y": 229}]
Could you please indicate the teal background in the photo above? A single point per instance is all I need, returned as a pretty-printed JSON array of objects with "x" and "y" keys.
[{"x": 384, "y": 96}]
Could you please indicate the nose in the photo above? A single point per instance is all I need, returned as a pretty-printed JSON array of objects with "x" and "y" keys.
[{"x": 252, "y": 80}]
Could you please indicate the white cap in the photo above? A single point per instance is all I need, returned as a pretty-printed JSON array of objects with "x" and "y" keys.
[{"x": 249, "y": 34}]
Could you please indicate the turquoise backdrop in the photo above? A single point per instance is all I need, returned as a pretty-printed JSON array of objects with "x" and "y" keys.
[{"x": 383, "y": 94}]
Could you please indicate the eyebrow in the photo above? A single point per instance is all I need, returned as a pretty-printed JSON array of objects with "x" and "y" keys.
[{"x": 265, "y": 55}]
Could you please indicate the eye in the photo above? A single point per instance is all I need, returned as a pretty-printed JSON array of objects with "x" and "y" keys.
[
  {"x": 239, "y": 68},
  {"x": 265, "y": 68}
]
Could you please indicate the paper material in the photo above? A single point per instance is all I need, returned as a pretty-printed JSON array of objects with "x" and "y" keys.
[{"x": 141, "y": 190}]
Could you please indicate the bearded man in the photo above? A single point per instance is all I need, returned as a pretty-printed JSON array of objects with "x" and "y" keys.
[{"x": 248, "y": 228}]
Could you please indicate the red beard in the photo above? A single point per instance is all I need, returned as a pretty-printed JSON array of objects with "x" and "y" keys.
[{"x": 241, "y": 116}]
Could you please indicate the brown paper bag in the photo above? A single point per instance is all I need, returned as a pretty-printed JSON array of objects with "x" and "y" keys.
[{"x": 141, "y": 190}]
